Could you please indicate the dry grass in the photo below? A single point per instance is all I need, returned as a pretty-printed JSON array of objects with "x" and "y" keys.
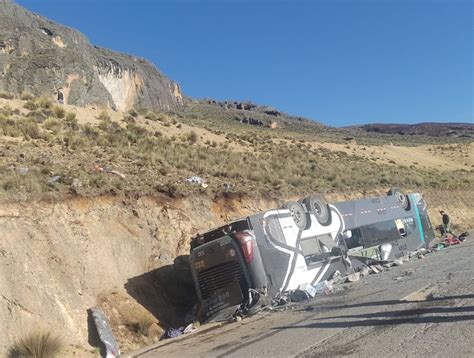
[
  {"x": 143, "y": 323},
  {"x": 156, "y": 157},
  {"x": 36, "y": 344}
]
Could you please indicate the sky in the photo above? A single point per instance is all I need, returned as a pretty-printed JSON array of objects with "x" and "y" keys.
[{"x": 340, "y": 62}]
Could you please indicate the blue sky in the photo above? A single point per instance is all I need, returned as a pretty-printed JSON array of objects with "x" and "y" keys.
[{"x": 340, "y": 62}]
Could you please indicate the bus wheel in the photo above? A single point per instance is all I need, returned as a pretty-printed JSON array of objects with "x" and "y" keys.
[
  {"x": 316, "y": 205},
  {"x": 402, "y": 198},
  {"x": 297, "y": 213}
]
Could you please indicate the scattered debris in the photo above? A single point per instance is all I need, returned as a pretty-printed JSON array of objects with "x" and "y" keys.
[
  {"x": 376, "y": 268},
  {"x": 105, "y": 169},
  {"x": 23, "y": 171},
  {"x": 336, "y": 276},
  {"x": 398, "y": 262},
  {"x": 197, "y": 180},
  {"x": 353, "y": 277},
  {"x": 53, "y": 180},
  {"x": 364, "y": 271},
  {"x": 176, "y": 332},
  {"x": 105, "y": 333},
  {"x": 76, "y": 183}
]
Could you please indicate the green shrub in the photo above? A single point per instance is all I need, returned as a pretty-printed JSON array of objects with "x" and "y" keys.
[{"x": 37, "y": 345}]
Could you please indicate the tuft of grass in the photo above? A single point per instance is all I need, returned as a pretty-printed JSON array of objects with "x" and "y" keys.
[
  {"x": 59, "y": 112},
  {"x": 133, "y": 112},
  {"x": 104, "y": 116},
  {"x": 6, "y": 95},
  {"x": 30, "y": 105},
  {"x": 25, "y": 96},
  {"x": 45, "y": 103},
  {"x": 36, "y": 344},
  {"x": 143, "y": 324},
  {"x": 151, "y": 116},
  {"x": 53, "y": 124}
]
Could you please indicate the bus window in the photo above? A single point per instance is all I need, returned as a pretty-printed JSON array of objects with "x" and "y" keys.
[
  {"x": 355, "y": 239},
  {"x": 317, "y": 248},
  {"x": 379, "y": 233}
]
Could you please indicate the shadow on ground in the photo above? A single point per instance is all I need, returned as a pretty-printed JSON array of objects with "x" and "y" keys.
[
  {"x": 437, "y": 314},
  {"x": 167, "y": 292}
]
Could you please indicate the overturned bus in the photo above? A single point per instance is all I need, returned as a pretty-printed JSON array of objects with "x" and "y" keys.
[{"x": 304, "y": 243}]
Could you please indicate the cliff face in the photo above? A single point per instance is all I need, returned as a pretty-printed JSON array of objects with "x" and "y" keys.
[{"x": 41, "y": 57}]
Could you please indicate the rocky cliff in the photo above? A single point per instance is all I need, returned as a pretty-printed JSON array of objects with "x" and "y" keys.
[{"x": 42, "y": 57}]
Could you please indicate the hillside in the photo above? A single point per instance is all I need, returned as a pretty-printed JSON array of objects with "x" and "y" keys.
[
  {"x": 446, "y": 131},
  {"x": 41, "y": 57}
]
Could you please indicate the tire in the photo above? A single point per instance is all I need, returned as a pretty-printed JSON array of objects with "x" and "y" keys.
[
  {"x": 297, "y": 213},
  {"x": 317, "y": 205},
  {"x": 402, "y": 198}
]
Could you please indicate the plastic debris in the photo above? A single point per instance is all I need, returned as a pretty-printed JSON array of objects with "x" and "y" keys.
[
  {"x": 195, "y": 180},
  {"x": 398, "y": 262},
  {"x": 323, "y": 287},
  {"x": 364, "y": 271},
  {"x": 298, "y": 296},
  {"x": 336, "y": 276},
  {"x": 23, "y": 171},
  {"x": 172, "y": 333},
  {"x": 105, "y": 333},
  {"x": 376, "y": 268},
  {"x": 53, "y": 180}
]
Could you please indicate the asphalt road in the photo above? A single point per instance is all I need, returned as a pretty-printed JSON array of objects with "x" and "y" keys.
[{"x": 422, "y": 308}]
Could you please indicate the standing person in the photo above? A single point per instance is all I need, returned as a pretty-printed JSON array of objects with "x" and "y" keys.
[{"x": 446, "y": 224}]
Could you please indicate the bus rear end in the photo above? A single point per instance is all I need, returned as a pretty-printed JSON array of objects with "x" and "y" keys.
[{"x": 220, "y": 266}]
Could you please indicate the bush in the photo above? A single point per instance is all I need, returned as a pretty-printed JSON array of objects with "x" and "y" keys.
[
  {"x": 133, "y": 112},
  {"x": 192, "y": 137},
  {"x": 52, "y": 124},
  {"x": 44, "y": 102},
  {"x": 71, "y": 120},
  {"x": 30, "y": 105},
  {"x": 104, "y": 116},
  {"x": 59, "y": 112},
  {"x": 143, "y": 324},
  {"x": 6, "y": 95},
  {"x": 25, "y": 96},
  {"x": 36, "y": 345},
  {"x": 151, "y": 116},
  {"x": 29, "y": 127}
]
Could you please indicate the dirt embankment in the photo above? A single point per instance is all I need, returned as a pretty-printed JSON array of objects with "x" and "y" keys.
[{"x": 57, "y": 259}]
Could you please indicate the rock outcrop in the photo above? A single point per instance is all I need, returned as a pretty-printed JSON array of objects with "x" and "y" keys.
[{"x": 42, "y": 57}]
